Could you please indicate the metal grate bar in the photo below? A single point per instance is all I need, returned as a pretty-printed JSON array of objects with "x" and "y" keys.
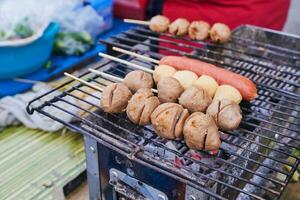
[
  {"x": 205, "y": 51},
  {"x": 275, "y": 132},
  {"x": 218, "y": 46},
  {"x": 260, "y": 92},
  {"x": 250, "y": 171},
  {"x": 270, "y": 46},
  {"x": 224, "y": 141},
  {"x": 97, "y": 115},
  {"x": 206, "y": 59},
  {"x": 198, "y": 174},
  {"x": 259, "y": 85},
  {"x": 97, "y": 127},
  {"x": 263, "y": 86},
  {"x": 275, "y": 112}
]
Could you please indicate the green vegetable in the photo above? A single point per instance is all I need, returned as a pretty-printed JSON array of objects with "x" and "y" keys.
[
  {"x": 23, "y": 31},
  {"x": 84, "y": 37},
  {"x": 2, "y": 34},
  {"x": 73, "y": 43}
]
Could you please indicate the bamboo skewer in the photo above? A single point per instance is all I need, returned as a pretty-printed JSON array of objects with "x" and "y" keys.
[
  {"x": 112, "y": 77},
  {"x": 135, "y": 54},
  {"x": 140, "y": 22},
  {"x": 106, "y": 75},
  {"x": 83, "y": 81},
  {"x": 126, "y": 62}
]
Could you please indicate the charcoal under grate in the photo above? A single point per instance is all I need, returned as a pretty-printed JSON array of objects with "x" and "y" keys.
[{"x": 256, "y": 161}]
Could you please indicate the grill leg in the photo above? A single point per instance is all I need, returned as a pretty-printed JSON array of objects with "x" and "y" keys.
[{"x": 92, "y": 168}]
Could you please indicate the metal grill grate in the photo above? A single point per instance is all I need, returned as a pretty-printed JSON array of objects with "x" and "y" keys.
[{"x": 250, "y": 158}]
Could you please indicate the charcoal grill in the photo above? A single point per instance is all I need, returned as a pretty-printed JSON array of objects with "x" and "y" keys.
[{"x": 256, "y": 161}]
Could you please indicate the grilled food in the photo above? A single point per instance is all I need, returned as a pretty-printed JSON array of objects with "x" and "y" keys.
[
  {"x": 244, "y": 85},
  {"x": 201, "y": 132},
  {"x": 208, "y": 83},
  {"x": 168, "y": 120},
  {"x": 220, "y": 33},
  {"x": 159, "y": 23},
  {"x": 186, "y": 78},
  {"x": 199, "y": 30},
  {"x": 138, "y": 79},
  {"x": 179, "y": 27},
  {"x": 228, "y": 92},
  {"x": 115, "y": 98},
  {"x": 141, "y": 106},
  {"x": 163, "y": 71},
  {"x": 226, "y": 113},
  {"x": 194, "y": 99},
  {"x": 169, "y": 89}
]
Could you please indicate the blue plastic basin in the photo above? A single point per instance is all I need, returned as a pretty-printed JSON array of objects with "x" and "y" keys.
[{"x": 21, "y": 60}]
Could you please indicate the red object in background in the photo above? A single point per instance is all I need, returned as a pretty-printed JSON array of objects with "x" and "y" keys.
[
  {"x": 133, "y": 9},
  {"x": 265, "y": 13}
]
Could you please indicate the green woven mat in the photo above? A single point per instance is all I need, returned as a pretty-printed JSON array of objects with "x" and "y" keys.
[{"x": 36, "y": 164}]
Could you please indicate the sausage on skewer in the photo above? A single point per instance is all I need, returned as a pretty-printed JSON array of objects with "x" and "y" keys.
[
  {"x": 223, "y": 77},
  {"x": 244, "y": 85}
]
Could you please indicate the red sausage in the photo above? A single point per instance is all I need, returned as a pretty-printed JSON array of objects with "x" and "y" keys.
[{"x": 244, "y": 85}]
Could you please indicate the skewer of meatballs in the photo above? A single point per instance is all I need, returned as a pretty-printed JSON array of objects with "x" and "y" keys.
[
  {"x": 182, "y": 98},
  {"x": 197, "y": 30},
  {"x": 236, "y": 87},
  {"x": 170, "y": 119}
]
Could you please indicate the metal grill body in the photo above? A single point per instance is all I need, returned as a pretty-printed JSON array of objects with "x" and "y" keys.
[{"x": 126, "y": 161}]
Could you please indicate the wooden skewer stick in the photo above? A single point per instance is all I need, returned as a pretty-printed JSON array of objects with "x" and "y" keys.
[
  {"x": 106, "y": 75},
  {"x": 135, "y": 54},
  {"x": 112, "y": 77},
  {"x": 140, "y": 22},
  {"x": 126, "y": 63},
  {"x": 83, "y": 81}
]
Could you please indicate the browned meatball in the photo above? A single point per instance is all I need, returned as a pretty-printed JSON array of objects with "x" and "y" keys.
[
  {"x": 199, "y": 30},
  {"x": 168, "y": 120},
  {"x": 169, "y": 89},
  {"x": 138, "y": 79},
  {"x": 195, "y": 99},
  {"x": 115, "y": 97},
  {"x": 179, "y": 27},
  {"x": 159, "y": 23},
  {"x": 220, "y": 33},
  {"x": 141, "y": 106},
  {"x": 226, "y": 113},
  {"x": 201, "y": 132}
]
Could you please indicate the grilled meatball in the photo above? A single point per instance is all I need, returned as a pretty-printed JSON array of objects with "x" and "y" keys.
[
  {"x": 228, "y": 92},
  {"x": 199, "y": 30},
  {"x": 169, "y": 89},
  {"x": 195, "y": 99},
  {"x": 179, "y": 27},
  {"x": 226, "y": 113},
  {"x": 141, "y": 106},
  {"x": 186, "y": 78},
  {"x": 159, "y": 23},
  {"x": 163, "y": 71},
  {"x": 220, "y": 33},
  {"x": 201, "y": 132},
  {"x": 208, "y": 83},
  {"x": 115, "y": 97},
  {"x": 138, "y": 79},
  {"x": 168, "y": 120}
]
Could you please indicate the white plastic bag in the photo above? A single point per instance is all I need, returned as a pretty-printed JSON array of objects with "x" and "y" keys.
[{"x": 24, "y": 21}]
